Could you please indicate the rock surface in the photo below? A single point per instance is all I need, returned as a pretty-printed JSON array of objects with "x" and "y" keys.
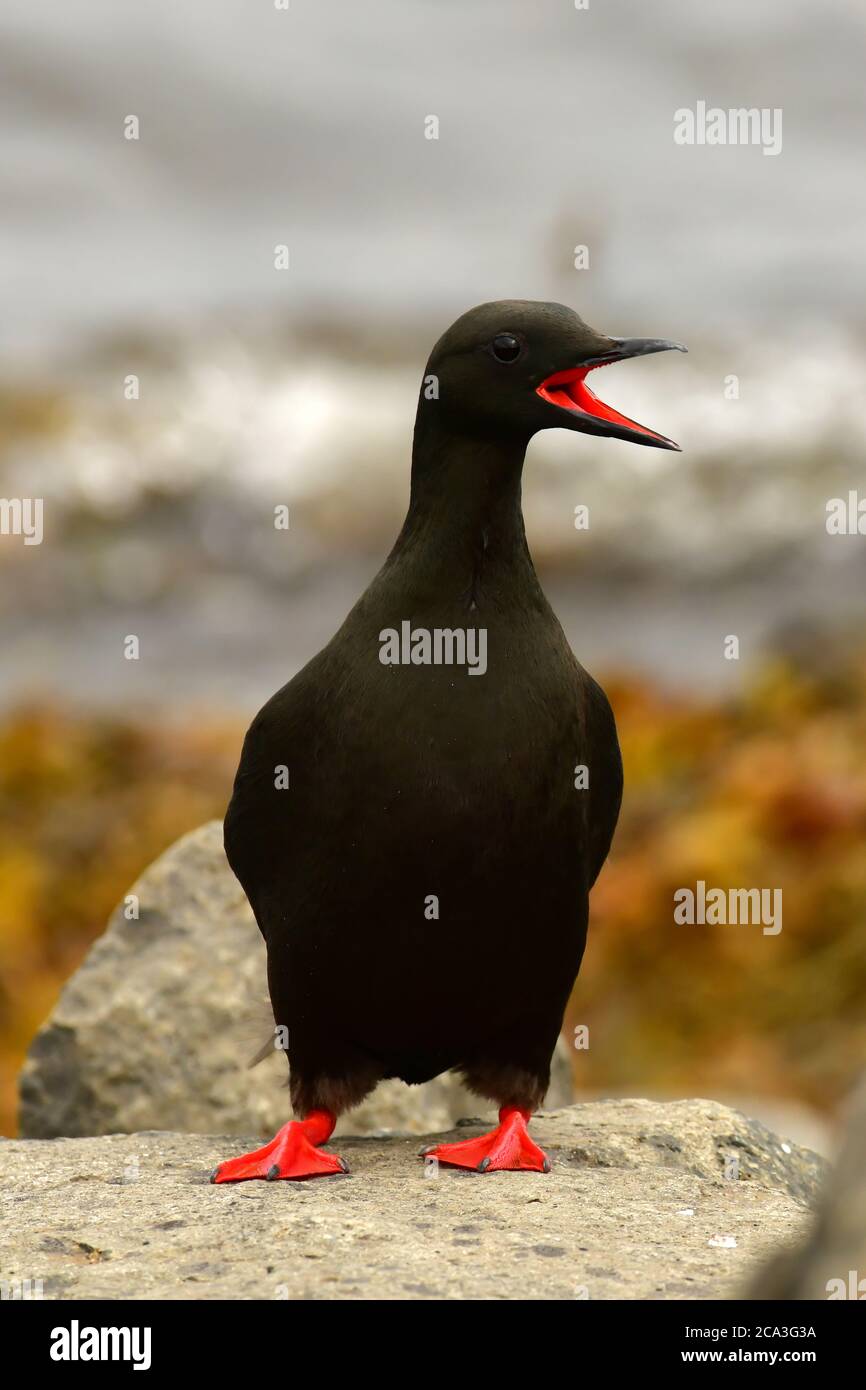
[
  {"x": 156, "y": 1027},
  {"x": 831, "y": 1263},
  {"x": 637, "y": 1206}
]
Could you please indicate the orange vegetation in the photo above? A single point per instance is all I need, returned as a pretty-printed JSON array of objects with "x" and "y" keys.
[{"x": 765, "y": 791}]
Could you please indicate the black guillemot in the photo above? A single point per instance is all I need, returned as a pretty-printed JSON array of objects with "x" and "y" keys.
[{"x": 421, "y": 876}]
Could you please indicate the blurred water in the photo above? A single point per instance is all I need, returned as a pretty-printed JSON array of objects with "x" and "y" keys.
[
  {"x": 159, "y": 516},
  {"x": 259, "y": 387},
  {"x": 261, "y": 126}
]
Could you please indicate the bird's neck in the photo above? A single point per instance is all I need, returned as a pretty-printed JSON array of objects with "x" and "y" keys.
[{"x": 465, "y": 518}]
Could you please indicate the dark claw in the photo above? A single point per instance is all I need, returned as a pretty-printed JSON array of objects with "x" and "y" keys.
[
  {"x": 215, "y": 1174},
  {"x": 273, "y": 1172},
  {"x": 484, "y": 1165},
  {"x": 546, "y": 1166},
  {"x": 422, "y": 1153},
  {"x": 344, "y": 1165}
]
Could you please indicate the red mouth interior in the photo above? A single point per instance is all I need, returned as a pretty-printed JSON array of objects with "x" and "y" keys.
[{"x": 569, "y": 390}]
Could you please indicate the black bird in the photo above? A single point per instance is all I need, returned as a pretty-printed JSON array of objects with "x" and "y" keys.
[{"x": 408, "y": 820}]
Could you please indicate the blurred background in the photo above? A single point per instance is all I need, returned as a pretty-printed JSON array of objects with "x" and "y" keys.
[{"x": 155, "y": 258}]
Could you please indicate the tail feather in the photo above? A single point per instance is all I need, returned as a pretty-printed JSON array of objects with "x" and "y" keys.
[{"x": 264, "y": 1051}]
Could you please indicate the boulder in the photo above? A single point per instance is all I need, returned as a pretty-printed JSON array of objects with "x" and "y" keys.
[
  {"x": 644, "y": 1200},
  {"x": 155, "y": 1028}
]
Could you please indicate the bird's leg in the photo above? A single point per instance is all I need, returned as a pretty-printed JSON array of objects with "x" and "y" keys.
[
  {"x": 506, "y": 1146},
  {"x": 293, "y": 1153}
]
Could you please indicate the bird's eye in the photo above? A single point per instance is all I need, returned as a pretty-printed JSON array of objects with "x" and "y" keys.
[{"x": 506, "y": 347}]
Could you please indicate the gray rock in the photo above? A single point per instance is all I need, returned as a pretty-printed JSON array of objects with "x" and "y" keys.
[
  {"x": 832, "y": 1261},
  {"x": 156, "y": 1027},
  {"x": 636, "y": 1206},
  {"x": 697, "y": 1136}
]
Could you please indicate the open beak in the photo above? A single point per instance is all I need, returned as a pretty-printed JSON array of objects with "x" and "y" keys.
[{"x": 568, "y": 391}]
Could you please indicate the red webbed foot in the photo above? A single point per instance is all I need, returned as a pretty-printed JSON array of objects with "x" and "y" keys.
[
  {"x": 293, "y": 1153},
  {"x": 507, "y": 1146}
]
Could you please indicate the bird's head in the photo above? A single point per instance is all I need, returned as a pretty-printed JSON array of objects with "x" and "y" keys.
[{"x": 517, "y": 366}]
